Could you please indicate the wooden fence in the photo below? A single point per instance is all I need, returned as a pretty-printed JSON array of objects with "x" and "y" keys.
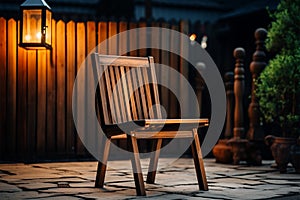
[{"x": 36, "y": 86}]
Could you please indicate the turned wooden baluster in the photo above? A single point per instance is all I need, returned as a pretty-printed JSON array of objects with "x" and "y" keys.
[
  {"x": 228, "y": 77},
  {"x": 255, "y": 131},
  {"x": 238, "y": 143},
  {"x": 239, "y": 87}
]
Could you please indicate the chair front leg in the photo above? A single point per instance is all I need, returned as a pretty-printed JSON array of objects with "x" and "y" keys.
[
  {"x": 198, "y": 161},
  {"x": 101, "y": 170},
  {"x": 136, "y": 167},
  {"x": 154, "y": 161}
]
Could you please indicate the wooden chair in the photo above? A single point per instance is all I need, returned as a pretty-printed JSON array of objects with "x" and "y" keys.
[{"x": 122, "y": 113}]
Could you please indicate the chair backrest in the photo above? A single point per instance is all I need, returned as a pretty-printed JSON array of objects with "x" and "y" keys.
[{"x": 127, "y": 88}]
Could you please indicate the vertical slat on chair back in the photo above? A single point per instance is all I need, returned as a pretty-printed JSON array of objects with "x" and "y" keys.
[{"x": 125, "y": 92}]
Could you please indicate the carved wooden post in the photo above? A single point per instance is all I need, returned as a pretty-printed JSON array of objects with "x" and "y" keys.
[
  {"x": 255, "y": 131},
  {"x": 239, "y": 88},
  {"x": 228, "y": 77},
  {"x": 239, "y": 144}
]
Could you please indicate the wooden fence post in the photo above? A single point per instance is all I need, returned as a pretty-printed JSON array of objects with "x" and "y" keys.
[
  {"x": 237, "y": 143},
  {"x": 239, "y": 89},
  {"x": 255, "y": 131}
]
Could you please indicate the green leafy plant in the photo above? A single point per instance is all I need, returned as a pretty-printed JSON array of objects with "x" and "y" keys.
[{"x": 278, "y": 88}]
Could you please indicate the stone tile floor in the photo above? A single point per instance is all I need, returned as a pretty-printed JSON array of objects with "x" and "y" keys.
[{"x": 177, "y": 180}]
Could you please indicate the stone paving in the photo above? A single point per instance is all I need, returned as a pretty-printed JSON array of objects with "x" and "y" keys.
[{"x": 177, "y": 180}]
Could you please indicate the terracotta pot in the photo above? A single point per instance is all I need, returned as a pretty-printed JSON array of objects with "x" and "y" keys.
[
  {"x": 280, "y": 148},
  {"x": 222, "y": 152},
  {"x": 295, "y": 156}
]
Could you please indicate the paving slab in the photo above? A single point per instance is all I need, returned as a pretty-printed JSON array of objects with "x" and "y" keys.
[
  {"x": 238, "y": 181},
  {"x": 4, "y": 187},
  {"x": 23, "y": 195},
  {"x": 37, "y": 186},
  {"x": 277, "y": 176},
  {"x": 280, "y": 182},
  {"x": 174, "y": 180}
]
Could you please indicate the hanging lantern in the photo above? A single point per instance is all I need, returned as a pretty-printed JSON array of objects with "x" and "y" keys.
[{"x": 35, "y": 25}]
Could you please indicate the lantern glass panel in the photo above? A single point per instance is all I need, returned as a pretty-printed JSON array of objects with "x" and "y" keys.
[
  {"x": 48, "y": 26},
  {"x": 32, "y": 23}
]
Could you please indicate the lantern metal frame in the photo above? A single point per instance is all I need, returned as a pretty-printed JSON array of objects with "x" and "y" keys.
[{"x": 43, "y": 7}]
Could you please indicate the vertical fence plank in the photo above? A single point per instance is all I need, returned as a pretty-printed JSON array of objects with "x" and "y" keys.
[
  {"x": 102, "y": 36},
  {"x": 61, "y": 84},
  {"x": 41, "y": 103},
  {"x": 11, "y": 87},
  {"x": 71, "y": 69},
  {"x": 22, "y": 102},
  {"x": 165, "y": 60},
  {"x": 3, "y": 84},
  {"x": 174, "y": 63},
  {"x": 51, "y": 96},
  {"x": 123, "y": 42},
  {"x": 133, "y": 39},
  {"x": 91, "y": 36},
  {"x": 156, "y": 41},
  {"x": 31, "y": 99},
  {"x": 81, "y": 51},
  {"x": 142, "y": 41},
  {"x": 90, "y": 44},
  {"x": 184, "y": 68},
  {"x": 113, "y": 44}
]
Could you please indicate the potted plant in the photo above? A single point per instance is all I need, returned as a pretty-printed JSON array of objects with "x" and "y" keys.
[{"x": 278, "y": 87}]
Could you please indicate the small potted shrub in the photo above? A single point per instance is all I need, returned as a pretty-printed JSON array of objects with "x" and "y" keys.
[{"x": 278, "y": 87}]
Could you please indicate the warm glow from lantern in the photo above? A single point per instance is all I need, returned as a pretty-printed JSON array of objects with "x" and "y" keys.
[
  {"x": 204, "y": 42},
  {"x": 193, "y": 37},
  {"x": 27, "y": 38},
  {"x": 38, "y": 35},
  {"x": 32, "y": 22}
]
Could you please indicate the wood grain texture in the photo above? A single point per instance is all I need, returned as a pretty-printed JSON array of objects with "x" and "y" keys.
[
  {"x": 70, "y": 78},
  {"x": 21, "y": 102},
  {"x": 3, "y": 86},
  {"x": 51, "y": 96},
  {"x": 61, "y": 88},
  {"x": 41, "y": 103},
  {"x": 32, "y": 105},
  {"x": 11, "y": 87},
  {"x": 80, "y": 57}
]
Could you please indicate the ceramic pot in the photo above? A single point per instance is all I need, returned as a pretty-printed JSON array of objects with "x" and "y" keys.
[
  {"x": 280, "y": 148},
  {"x": 222, "y": 152}
]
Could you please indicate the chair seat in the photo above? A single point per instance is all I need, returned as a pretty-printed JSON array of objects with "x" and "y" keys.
[{"x": 166, "y": 128}]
